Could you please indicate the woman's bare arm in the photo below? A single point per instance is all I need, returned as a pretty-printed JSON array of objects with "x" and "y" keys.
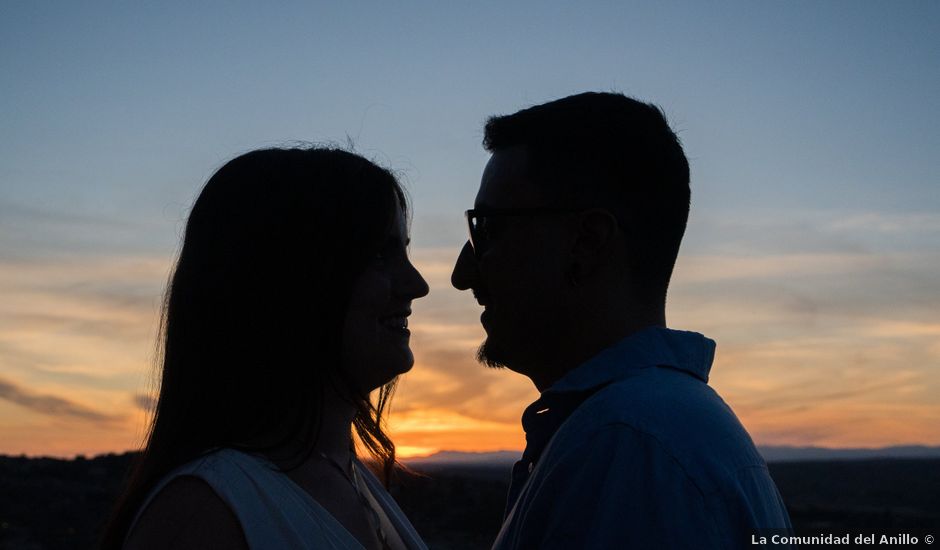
[{"x": 187, "y": 513}]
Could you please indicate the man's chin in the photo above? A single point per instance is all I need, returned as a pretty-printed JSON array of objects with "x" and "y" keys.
[{"x": 491, "y": 356}]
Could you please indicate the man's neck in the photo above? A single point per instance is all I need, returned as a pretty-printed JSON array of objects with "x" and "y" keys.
[{"x": 587, "y": 340}]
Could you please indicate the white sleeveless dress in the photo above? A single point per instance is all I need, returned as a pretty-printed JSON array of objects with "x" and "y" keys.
[{"x": 276, "y": 513}]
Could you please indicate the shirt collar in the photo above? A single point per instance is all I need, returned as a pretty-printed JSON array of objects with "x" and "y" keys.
[{"x": 650, "y": 347}]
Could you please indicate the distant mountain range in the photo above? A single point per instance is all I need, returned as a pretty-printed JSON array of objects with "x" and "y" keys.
[
  {"x": 459, "y": 458},
  {"x": 769, "y": 452},
  {"x": 791, "y": 454}
]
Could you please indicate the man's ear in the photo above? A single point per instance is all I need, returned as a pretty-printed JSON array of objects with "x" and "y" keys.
[{"x": 597, "y": 231}]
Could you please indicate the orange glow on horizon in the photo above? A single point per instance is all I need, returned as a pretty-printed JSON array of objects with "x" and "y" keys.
[{"x": 76, "y": 364}]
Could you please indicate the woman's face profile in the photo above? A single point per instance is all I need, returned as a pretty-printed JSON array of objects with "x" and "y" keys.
[{"x": 375, "y": 333}]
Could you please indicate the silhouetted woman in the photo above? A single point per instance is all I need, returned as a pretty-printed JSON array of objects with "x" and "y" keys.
[{"x": 287, "y": 308}]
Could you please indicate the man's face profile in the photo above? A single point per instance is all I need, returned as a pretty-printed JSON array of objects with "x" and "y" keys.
[{"x": 517, "y": 271}]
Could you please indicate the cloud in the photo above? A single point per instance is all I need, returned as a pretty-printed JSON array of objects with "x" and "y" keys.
[
  {"x": 94, "y": 317},
  {"x": 28, "y": 232},
  {"x": 440, "y": 229},
  {"x": 887, "y": 222},
  {"x": 52, "y": 405},
  {"x": 21, "y": 214},
  {"x": 902, "y": 329},
  {"x": 453, "y": 380},
  {"x": 712, "y": 268},
  {"x": 806, "y": 231},
  {"x": 431, "y": 429},
  {"x": 903, "y": 287},
  {"x": 826, "y": 335},
  {"x": 145, "y": 402},
  {"x": 808, "y": 329}
]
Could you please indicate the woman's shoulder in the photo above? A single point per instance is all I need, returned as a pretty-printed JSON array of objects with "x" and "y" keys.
[
  {"x": 187, "y": 513},
  {"x": 187, "y": 509}
]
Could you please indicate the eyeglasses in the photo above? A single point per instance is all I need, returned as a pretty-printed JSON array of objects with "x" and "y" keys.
[{"x": 480, "y": 225}]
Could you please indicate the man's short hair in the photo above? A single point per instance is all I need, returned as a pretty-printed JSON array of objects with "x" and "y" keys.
[{"x": 606, "y": 150}]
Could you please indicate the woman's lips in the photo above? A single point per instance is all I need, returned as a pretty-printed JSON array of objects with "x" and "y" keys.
[{"x": 395, "y": 322}]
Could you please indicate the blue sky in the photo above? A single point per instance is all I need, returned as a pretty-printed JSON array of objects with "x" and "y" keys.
[{"x": 810, "y": 129}]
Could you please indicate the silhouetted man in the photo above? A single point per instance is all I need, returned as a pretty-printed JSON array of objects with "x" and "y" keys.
[{"x": 573, "y": 238}]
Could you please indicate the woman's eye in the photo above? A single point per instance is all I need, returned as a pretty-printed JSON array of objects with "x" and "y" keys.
[
  {"x": 385, "y": 256},
  {"x": 390, "y": 254}
]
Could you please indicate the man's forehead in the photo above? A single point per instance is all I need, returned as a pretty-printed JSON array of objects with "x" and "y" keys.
[{"x": 505, "y": 183}]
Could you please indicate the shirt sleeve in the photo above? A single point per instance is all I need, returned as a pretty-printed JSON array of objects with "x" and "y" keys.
[{"x": 619, "y": 489}]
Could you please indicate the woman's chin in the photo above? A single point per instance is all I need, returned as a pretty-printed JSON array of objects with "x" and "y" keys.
[
  {"x": 389, "y": 374},
  {"x": 400, "y": 369}
]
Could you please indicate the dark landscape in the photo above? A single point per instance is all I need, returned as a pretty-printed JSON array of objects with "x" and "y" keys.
[{"x": 51, "y": 504}]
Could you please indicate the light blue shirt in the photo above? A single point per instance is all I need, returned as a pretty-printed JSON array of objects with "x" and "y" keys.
[{"x": 648, "y": 456}]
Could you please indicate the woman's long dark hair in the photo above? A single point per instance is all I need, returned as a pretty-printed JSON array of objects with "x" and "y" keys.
[{"x": 252, "y": 322}]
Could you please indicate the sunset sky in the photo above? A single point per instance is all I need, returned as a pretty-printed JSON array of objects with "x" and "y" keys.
[{"x": 812, "y": 254}]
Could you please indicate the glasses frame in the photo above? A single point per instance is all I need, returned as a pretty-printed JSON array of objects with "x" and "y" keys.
[{"x": 476, "y": 243}]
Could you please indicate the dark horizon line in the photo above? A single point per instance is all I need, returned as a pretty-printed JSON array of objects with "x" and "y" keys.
[{"x": 907, "y": 447}]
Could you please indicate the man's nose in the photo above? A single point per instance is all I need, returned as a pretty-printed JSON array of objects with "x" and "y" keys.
[{"x": 465, "y": 270}]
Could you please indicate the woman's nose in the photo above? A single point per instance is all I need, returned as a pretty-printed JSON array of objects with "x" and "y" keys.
[{"x": 417, "y": 286}]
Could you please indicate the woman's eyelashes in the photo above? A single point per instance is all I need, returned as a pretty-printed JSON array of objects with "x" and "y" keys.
[{"x": 391, "y": 253}]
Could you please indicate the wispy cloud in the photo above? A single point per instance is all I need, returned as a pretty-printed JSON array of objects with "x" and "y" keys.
[
  {"x": 52, "y": 405},
  {"x": 93, "y": 317},
  {"x": 28, "y": 232},
  {"x": 827, "y": 322},
  {"x": 885, "y": 222},
  {"x": 145, "y": 402},
  {"x": 711, "y": 268},
  {"x": 806, "y": 231},
  {"x": 828, "y": 337}
]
